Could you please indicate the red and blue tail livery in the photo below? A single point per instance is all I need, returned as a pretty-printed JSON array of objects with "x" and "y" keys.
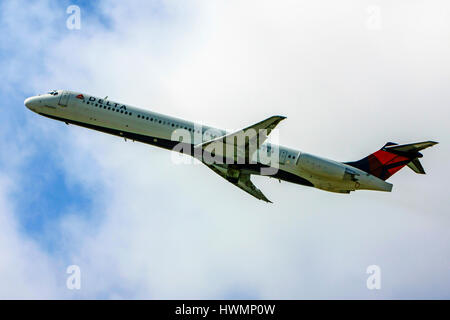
[{"x": 392, "y": 157}]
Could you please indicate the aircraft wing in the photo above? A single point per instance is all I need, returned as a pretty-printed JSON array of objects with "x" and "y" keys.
[
  {"x": 244, "y": 142},
  {"x": 244, "y": 183}
]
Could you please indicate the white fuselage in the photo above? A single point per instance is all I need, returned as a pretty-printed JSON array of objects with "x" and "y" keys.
[{"x": 158, "y": 129}]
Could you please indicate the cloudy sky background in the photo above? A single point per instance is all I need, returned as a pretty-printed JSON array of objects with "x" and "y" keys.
[{"x": 140, "y": 226}]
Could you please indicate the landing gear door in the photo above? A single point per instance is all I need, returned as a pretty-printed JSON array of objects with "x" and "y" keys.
[{"x": 64, "y": 99}]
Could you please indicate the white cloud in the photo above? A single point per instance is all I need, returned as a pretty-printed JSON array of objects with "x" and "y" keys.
[
  {"x": 158, "y": 230},
  {"x": 25, "y": 273}
]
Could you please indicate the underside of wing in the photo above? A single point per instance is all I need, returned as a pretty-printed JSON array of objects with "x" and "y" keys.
[{"x": 240, "y": 180}]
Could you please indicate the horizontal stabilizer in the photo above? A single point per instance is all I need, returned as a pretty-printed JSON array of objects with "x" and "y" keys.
[
  {"x": 416, "y": 166},
  {"x": 411, "y": 147}
]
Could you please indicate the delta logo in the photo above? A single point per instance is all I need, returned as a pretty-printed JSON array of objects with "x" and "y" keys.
[{"x": 80, "y": 96}]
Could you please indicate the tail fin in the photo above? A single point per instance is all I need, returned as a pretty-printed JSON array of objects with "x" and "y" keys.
[{"x": 392, "y": 157}]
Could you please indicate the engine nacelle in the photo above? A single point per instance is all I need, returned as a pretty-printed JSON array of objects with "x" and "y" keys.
[{"x": 326, "y": 168}]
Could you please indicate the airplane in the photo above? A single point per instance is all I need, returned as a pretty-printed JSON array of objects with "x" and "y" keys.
[{"x": 235, "y": 156}]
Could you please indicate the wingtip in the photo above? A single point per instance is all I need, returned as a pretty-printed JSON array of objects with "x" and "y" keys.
[{"x": 265, "y": 200}]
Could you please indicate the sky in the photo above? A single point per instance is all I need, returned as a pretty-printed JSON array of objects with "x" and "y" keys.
[{"x": 349, "y": 76}]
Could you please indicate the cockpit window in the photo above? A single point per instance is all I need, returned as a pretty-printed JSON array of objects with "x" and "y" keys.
[{"x": 53, "y": 93}]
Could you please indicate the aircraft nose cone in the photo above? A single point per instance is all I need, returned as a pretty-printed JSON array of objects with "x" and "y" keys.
[
  {"x": 27, "y": 102},
  {"x": 31, "y": 102}
]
